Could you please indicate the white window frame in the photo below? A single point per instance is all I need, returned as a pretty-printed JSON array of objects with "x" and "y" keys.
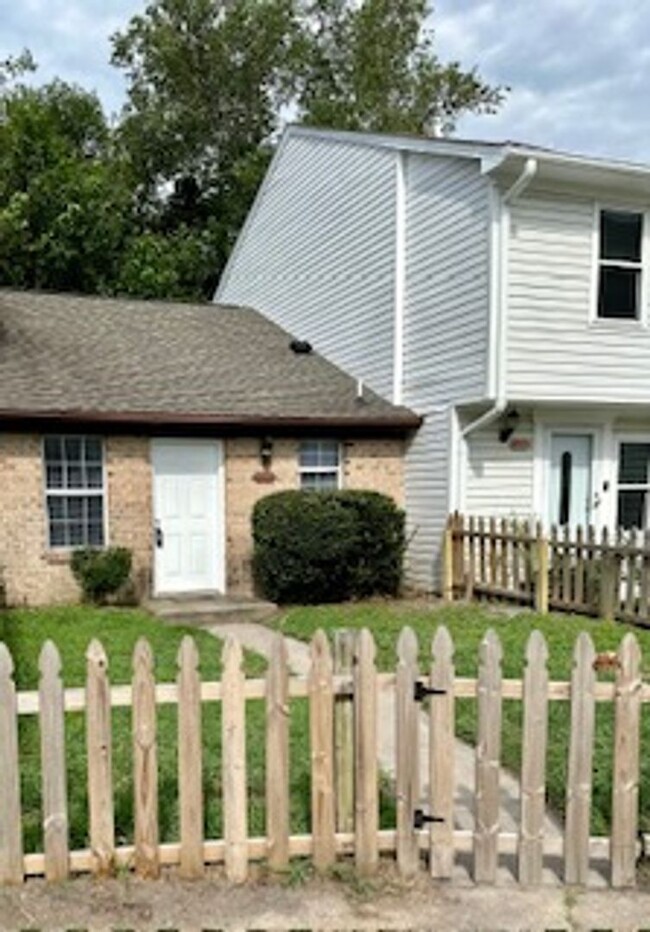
[
  {"x": 639, "y": 438},
  {"x": 70, "y": 493},
  {"x": 321, "y": 470},
  {"x": 641, "y": 320}
]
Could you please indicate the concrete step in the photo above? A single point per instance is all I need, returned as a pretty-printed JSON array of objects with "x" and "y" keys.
[{"x": 200, "y": 611}]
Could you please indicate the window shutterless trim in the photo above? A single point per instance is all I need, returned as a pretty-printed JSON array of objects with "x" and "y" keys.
[
  {"x": 322, "y": 470},
  {"x": 641, "y": 317},
  {"x": 75, "y": 492}
]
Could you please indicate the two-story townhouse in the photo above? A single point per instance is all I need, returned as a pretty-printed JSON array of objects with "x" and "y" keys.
[{"x": 501, "y": 291}]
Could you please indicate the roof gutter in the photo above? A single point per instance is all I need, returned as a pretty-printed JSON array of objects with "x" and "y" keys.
[
  {"x": 499, "y": 296},
  {"x": 231, "y": 423}
]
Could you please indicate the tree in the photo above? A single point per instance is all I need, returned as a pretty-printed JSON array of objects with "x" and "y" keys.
[
  {"x": 65, "y": 200},
  {"x": 372, "y": 66}
]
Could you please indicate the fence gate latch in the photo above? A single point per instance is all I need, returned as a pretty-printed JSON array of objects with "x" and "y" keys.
[
  {"x": 420, "y": 819},
  {"x": 420, "y": 691}
]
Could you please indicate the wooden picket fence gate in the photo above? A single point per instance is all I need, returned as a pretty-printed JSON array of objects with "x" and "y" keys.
[
  {"x": 600, "y": 574},
  {"x": 344, "y": 731}
]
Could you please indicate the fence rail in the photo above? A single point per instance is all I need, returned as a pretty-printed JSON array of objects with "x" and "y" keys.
[
  {"x": 600, "y": 574},
  {"x": 344, "y": 733}
]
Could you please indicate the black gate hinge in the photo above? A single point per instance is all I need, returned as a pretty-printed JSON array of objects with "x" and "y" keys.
[
  {"x": 420, "y": 691},
  {"x": 420, "y": 819}
]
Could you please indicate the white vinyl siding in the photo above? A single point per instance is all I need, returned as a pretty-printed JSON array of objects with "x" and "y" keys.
[
  {"x": 318, "y": 252},
  {"x": 445, "y": 333},
  {"x": 499, "y": 479},
  {"x": 556, "y": 350}
]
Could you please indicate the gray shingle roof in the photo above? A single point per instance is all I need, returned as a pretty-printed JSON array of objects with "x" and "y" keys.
[{"x": 97, "y": 357}]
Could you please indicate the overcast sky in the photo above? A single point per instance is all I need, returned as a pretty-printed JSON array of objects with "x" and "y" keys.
[{"x": 579, "y": 69}]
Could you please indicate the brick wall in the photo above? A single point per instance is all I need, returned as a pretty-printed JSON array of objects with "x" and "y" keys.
[{"x": 34, "y": 575}]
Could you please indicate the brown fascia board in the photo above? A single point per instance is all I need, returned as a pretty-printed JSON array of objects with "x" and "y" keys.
[{"x": 154, "y": 421}]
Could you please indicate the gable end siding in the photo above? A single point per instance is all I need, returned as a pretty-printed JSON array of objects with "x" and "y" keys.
[
  {"x": 318, "y": 254},
  {"x": 446, "y": 338}
]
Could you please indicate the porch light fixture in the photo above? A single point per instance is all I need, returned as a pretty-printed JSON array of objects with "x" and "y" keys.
[
  {"x": 508, "y": 425},
  {"x": 266, "y": 452}
]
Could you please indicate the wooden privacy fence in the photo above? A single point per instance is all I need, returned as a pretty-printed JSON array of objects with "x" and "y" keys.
[
  {"x": 601, "y": 574},
  {"x": 343, "y": 761}
]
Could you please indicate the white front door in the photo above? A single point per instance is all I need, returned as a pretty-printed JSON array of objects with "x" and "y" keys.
[
  {"x": 188, "y": 537},
  {"x": 570, "y": 487}
]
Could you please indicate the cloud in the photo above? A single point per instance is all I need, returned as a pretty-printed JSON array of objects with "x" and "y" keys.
[
  {"x": 69, "y": 39},
  {"x": 579, "y": 69}
]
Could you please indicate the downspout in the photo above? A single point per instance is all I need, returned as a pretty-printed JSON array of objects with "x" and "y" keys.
[
  {"x": 500, "y": 262},
  {"x": 400, "y": 276}
]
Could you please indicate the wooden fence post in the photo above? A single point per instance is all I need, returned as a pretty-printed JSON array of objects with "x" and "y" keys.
[
  {"x": 321, "y": 732},
  {"x": 488, "y": 756},
  {"x": 11, "y": 836},
  {"x": 625, "y": 779},
  {"x": 579, "y": 778},
  {"x": 145, "y": 762},
  {"x": 533, "y": 761},
  {"x": 542, "y": 574},
  {"x": 407, "y": 745},
  {"x": 233, "y": 752},
  {"x": 190, "y": 761},
  {"x": 100, "y": 763},
  {"x": 53, "y": 764},
  {"x": 609, "y": 594},
  {"x": 442, "y": 746},
  {"x": 277, "y": 756},
  {"x": 366, "y": 770},
  {"x": 448, "y": 562},
  {"x": 344, "y": 648}
]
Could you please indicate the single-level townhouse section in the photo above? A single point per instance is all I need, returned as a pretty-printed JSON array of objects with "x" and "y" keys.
[
  {"x": 502, "y": 291},
  {"x": 157, "y": 426}
]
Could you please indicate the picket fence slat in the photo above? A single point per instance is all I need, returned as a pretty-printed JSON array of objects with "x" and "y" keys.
[
  {"x": 579, "y": 779},
  {"x": 277, "y": 756},
  {"x": 407, "y": 757},
  {"x": 344, "y": 651},
  {"x": 11, "y": 837},
  {"x": 625, "y": 780},
  {"x": 488, "y": 756},
  {"x": 145, "y": 762},
  {"x": 442, "y": 746},
  {"x": 533, "y": 765},
  {"x": 366, "y": 769},
  {"x": 100, "y": 759},
  {"x": 235, "y": 801},
  {"x": 321, "y": 732},
  {"x": 190, "y": 761},
  {"x": 53, "y": 765}
]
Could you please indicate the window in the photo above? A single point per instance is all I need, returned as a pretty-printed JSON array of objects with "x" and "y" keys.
[
  {"x": 619, "y": 265},
  {"x": 319, "y": 465},
  {"x": 633, "y": 485},
  {"x": 74, "y": 483}
]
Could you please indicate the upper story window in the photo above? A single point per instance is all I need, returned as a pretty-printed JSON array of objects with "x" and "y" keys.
[
  {"x": 620, "y": 265},
  {"x": 74, "y": 489},
  {"x": 319, "y": 465}
]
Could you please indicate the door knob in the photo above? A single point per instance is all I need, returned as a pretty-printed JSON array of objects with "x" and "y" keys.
[{"x": 160, "y": 537}]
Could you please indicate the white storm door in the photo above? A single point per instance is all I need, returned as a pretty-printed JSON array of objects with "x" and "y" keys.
[
  {"x": 187, "y": 535},
  {"x": 571, "y": 490}
]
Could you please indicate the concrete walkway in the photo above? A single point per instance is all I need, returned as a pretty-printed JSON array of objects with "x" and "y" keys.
[{"x": 258, "y": 638}]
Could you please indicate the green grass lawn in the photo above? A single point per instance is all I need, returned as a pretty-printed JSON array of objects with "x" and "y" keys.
[
  {"x": 467, "y": 625},
  {"x": 71, "y": 629}
]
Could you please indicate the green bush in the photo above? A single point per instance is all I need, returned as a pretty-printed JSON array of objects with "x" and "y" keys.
[
  {"x": 315, "y": 547},
  {"x": 101, "y": 573}
]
